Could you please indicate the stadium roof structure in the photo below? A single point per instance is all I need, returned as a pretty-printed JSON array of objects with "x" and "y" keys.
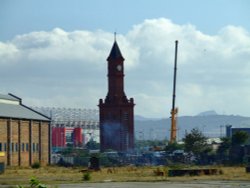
[{"x": 71, "y": 117}]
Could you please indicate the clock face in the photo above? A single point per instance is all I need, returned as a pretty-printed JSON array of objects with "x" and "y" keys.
[{"x": 119, "y": 67}]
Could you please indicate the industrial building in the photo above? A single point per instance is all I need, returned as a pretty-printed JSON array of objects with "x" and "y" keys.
[
  {"x": 72, "y": 126},
  {"x": 62, "y": 136},
  {"x": 24, "y": 133},
  {"x": 231, "y": 130},
  {"x": 116, "y": 111}
]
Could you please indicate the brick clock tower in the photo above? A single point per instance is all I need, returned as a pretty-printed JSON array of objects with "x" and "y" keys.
[{"x": 116, "y": 111}]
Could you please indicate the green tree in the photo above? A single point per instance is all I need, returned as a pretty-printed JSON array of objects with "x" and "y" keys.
[
  {"x": 223, "y": 150},
  {"x": 196, "y": 143},
  {"x": 225, "y": 145},
  {"x": 92, "y": 145},
  {"x": 149, "y": 143},
  {"x": 173, "y": 146},
  {"x": 236, "y": 152},
  {"x": 239, "y": 138},
  {"x": 67, "y": 150}
]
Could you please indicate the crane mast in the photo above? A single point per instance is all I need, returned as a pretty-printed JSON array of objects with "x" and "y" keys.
[{"x": 174, "y": 110}]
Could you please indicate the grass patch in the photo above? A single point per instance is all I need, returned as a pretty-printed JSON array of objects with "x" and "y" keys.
[{"x": 55, "y": 175}]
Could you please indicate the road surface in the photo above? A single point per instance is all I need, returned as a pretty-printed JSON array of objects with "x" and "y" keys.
[{"x": 194, "y": 184}]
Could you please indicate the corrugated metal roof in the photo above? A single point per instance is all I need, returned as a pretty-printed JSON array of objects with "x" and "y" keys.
[
  {"x": 18, "y": 110},
  {"x": 8, "y": 97}
]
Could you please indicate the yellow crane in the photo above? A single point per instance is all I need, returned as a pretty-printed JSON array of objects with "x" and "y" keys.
[{"x": 174, "y": 110}]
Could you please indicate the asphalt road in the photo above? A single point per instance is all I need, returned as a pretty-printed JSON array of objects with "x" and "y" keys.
[{"x": 194, "y": 184}]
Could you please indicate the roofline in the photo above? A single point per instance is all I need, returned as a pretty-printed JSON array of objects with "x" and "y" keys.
[
  {"x": 16, "y": 118},
  {"x": 20, "y": 100},
  {"x": 36, "y": 111}
]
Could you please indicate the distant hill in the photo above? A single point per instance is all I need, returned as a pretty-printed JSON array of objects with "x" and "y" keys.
[
  {"x": 142, "y": 118},
  {"x": 211, "y": 124},
  {"x": 208, "y": 113}
]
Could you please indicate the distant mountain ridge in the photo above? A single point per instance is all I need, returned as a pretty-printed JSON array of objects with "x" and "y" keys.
[
  {"x": 142, "y": 118},
  {"x": 210, "y": 123},
  {"x": 208, "y": 113}
]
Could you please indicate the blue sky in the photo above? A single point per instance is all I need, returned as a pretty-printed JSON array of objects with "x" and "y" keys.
[
  {"x": 19, "y": 17},
  {"x": 53, "y": 53}
]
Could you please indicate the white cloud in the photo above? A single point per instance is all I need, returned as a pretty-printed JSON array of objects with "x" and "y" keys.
[
  {"x": 61, "y": 68},
  {"x": 8, "y": 53}
]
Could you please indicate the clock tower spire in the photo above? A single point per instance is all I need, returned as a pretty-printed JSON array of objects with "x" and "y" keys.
[
  {"x": 116, "y": 111},
  {"x": 116, "y": 92}
]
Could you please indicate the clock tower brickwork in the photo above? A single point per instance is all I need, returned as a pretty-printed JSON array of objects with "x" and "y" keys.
[{"x": 116, "y": 111}]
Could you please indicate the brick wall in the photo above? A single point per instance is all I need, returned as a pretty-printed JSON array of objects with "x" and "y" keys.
[
  {"x": 24, "y": 126},
  {"x": 14, "y": 142},
  {"x": 3, "y": 139},
  {"x": 24, "y": 142},
  {"x": 44, "y": 143},
  {"x": 35, "y": 142}
]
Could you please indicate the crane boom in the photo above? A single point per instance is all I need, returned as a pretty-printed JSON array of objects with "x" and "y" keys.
[
  {"x": 175, "y": 72},
  {"x": 174, "y": 110}
]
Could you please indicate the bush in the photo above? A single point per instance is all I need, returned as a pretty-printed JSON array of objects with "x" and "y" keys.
[
  {"x": 36, "y": 165},
  {"x": 34, "y": 183},
  {"x": 63, "y": 163},
  {"x": 86, "y": 176}
]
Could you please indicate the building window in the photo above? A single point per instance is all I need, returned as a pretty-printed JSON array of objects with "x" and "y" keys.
[
  {"x": 0, "y": 146},
  {"x": 16, "y": 146},
  {"x": 125, "y": 116},
  {"x": 5, "y": 146},
  {"x": 34, "y": 147},
  {"x": 12, "y": 146},
  {"x": 23, "y": 147}
]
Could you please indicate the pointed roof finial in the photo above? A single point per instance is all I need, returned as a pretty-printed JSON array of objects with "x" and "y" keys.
[{"x": 115, "y": 51}]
